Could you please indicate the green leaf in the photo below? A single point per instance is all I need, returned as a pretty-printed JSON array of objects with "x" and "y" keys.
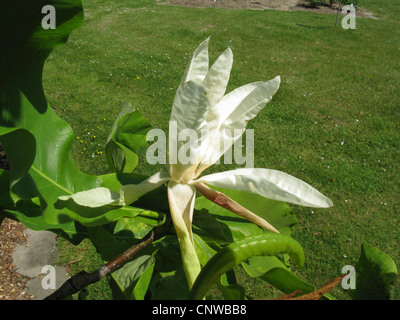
[
  {"x": 156, "y": 200},
  {"x": 375, "y": 273},
  {"x": 108, "y": 245},
  {"x": 91, "y": 217},
  {"x": 227, "y": 282},
  {"x": 137, "y": 227},
  {"x": 52, "y": 172},
  {"x": 229, "y": 288},
  {"x": 268, "y": 244},
  {"x": 170, "y": 280},
  {"x": 25, "y": 46},
  {"x": 133, "y": 278},
  {"x": 214, "y": 222},
  {"x": 126, "y": 137},
  {"x": 171, "y": 285},
  {"x": 29, "y": 213},
  {"x": 20, "y": 147},
  {"x": 142, "y": 285},
  {"x": 5, "y": 197},
  {"x": 273, "y": 271}
]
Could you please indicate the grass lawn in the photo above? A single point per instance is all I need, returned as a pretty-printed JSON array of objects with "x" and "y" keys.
[{"x": 334, "y": 122}]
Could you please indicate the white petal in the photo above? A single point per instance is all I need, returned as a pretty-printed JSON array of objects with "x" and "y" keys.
[
  {"x": 253, "y": 103},
  {"x": 217, "y": 79},
  {"x": 189, "y": 111},
  {"x": 132, "y": 192},
  {"x": 231, "y": 121},
  {"x": 94, "y": 198},
  {"x": 228, "y": 103},
  {"x": 271, "y": 184},
  {"x": 197, "y": 68},
  {"x": 190, "y": 106},
  {"x": 181, "y": 199}
]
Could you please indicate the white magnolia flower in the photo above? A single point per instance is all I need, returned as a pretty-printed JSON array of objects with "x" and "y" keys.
[{"x": 200, "y": 104}]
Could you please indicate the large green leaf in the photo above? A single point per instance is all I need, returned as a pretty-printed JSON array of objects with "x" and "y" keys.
[
  {"x": 25, "y": 46},
  {"x": 375, "y": 273},
  {"x": 23, "y": 105},
  {"x": 127, "y": 136}
]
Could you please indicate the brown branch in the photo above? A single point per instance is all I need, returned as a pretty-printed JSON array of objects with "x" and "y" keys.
[
  {"x": 317, "y": 294},
  {"x": 224, "y": 201},
  {"x": 82, "y": 279},
  {"x": 289, "y": 295}
]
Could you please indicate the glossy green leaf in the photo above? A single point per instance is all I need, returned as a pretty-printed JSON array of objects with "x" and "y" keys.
[
  {"x": 170, "y": 286},
  {"x": 375, "y": 273},
  {"x": 91, "y": 217}
]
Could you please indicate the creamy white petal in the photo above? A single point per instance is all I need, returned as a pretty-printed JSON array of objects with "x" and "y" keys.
[
  {"x": 197, "y": 67},
  {"x": 228, "y": 103},
  {"x": 131, "y": 192},
  {"x": 190, "y": 106},
  {"x": 217, "y": 79},
  {"x": 189, "y": 111},
  {"x": 231, "y": 122},
  {"x": 253, "y": 103},
  {"x": 181, "y": 198},
  {"x": 94, "y": 198},
  {"x": 271, "y": 184}
]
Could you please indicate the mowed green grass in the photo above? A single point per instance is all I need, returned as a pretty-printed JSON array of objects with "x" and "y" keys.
[{"x": 334, "y": 122}]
